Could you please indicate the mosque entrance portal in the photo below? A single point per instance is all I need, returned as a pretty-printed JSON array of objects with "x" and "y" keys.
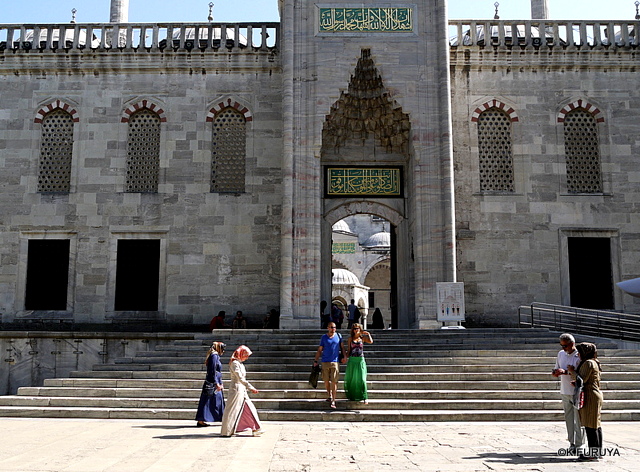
[{"x": 363, "y": 268}]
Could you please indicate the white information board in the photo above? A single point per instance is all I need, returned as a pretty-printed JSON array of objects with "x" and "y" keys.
[{"x": 450, "y": 301}]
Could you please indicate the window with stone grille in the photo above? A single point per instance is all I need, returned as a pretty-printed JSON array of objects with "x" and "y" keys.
[
  {"x": 494, "y": 143},
  {"x": 143, "y": 152},
  {"x": 56, "y": 150},
  {"x": 582, "y": 152},
  {"x": 228, "y": 155}
]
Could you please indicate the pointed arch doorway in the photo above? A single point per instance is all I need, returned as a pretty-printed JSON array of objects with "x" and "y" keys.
[
  {"x": 365, "y": 156},
  {"x": 400, "y": 266}
]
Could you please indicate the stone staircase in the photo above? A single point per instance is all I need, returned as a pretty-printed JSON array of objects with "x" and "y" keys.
[{"x": 443, "y": 375}]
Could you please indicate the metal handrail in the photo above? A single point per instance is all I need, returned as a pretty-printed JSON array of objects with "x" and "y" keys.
[{"x": 604, "y": 323}]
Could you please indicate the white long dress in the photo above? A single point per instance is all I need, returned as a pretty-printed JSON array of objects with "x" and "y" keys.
[{"x": 237, "y": 400}]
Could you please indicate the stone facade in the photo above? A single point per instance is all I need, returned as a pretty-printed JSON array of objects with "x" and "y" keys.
[{"x": 308, "y": 98}]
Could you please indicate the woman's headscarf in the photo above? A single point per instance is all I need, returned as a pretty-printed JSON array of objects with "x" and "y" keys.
[
  {"x": 241, "y": 353},
  {"x": 216, "y": 347},
  {"x": 588, "y": 351}
]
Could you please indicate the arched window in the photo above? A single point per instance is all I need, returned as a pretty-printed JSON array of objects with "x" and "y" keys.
[
  {"x": 56, "y": 149},
  {"x": 228, "y": 155},
  {"x": 582, "y": 152},
  {"x": 495, "y": 157},
  {"x": 143, "y": 152}
]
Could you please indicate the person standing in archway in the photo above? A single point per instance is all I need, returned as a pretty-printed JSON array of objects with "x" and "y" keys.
[{"x": 352, "y": 308}]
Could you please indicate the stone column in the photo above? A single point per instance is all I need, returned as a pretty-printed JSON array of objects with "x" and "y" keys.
[
  {"x": 539, "y": 9},
  {"x": 119, "y": 11}
]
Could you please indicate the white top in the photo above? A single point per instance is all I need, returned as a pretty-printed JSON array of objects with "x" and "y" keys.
[{"x": 562, "y": 362}]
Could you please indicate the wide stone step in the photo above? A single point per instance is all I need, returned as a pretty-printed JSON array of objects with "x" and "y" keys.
[
  {"x": 435, "y": 376},
  {"x": 306, "y": 404},
  {"x": 318, "y": 393},
  {"x": 440, "y": 375},
  {"x": 326, "y": 416},
  {"x": 302, "y": 384}
]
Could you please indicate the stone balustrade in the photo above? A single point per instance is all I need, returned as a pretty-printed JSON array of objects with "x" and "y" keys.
[
  {"x": 139, "y": 36},
  {"x": 567, "y": 34}
]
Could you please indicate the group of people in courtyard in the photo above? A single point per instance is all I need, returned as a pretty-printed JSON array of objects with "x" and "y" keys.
[
  {"x": 336, "y": 315},
  {"x": 271, "y": 321},
  {"x": 238, "y": 413},
  {"x": 578, "y": 368}
]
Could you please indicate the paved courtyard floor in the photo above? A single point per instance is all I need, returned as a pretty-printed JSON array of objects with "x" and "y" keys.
[{"x": 71, "y": 445}]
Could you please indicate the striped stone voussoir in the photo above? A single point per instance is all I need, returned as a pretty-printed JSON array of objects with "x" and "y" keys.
[
  {"x": 229, "y": 103},
  {"x": 595, "y": 111},
  {"x": 143, "y": 104},
  {"x": 495, "y": 104},
  {"x": 55, "y": 105}
]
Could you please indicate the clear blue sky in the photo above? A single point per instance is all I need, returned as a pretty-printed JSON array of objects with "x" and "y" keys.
[{"x": 97, "y": 11}]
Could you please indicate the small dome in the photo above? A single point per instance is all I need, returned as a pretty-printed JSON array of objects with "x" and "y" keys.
[
  {"x": 341, "y": 227},
  {"x": 344, "y": 277},
  {"x": 381, "y": 239}
]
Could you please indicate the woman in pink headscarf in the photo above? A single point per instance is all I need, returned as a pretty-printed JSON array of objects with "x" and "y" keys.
[{"x": 240, "y": 414}]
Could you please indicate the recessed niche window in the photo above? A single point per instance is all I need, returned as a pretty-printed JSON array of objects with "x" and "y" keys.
[
  {"x": 143, "y": 152},
  {"x": 228, "y": 154},
  {"x": 495, "y": 157},
  {"x": 56, "y": 149},
  {"x": 582, "y": 152}
]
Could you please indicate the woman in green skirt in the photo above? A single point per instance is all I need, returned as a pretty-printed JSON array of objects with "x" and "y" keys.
[{"x": 355, "y": 379}]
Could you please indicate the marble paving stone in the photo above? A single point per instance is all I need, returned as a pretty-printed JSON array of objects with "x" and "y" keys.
[{"x": 89, "y": 445}]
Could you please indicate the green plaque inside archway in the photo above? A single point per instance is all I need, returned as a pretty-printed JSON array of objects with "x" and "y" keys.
[{"x": 364, "y": 182}]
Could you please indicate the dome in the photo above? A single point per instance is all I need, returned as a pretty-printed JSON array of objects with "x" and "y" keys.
[
  {"x": 341, "y": 227},
  {"x": 381, "y": 239},
  {"x": 344, "y": 277}
]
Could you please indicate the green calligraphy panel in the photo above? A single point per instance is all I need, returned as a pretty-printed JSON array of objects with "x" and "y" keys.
[
  {"x": 366, "y": 20},
  {"x": 364, "y": 181},
  {"x": 343, "y": 248}
]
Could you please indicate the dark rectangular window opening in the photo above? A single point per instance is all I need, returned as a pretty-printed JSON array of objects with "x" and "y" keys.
[
  {"x": 47, "y": 274},
  {"x": 137, "y": 275},
  {"x": 590, "y": 274}
]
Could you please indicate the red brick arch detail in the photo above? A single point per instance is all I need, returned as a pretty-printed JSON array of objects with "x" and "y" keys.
[
  {"x": 226, "y": 103},
  {"x": 143, "y": 104},
  {"x": 594, "y": 110},
  {"x": 495, "y": 104},
  {"x": 56, "y": 105}
]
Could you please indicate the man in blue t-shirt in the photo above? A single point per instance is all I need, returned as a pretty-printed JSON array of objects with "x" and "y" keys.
[{"x": 330, "y": 349}]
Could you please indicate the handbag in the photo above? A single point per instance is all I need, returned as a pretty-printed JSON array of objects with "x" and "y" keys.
[
  {"x": 209, "y": 388},
  {"x": 315, "y": 374},
  {"x": 578, "y": 394}
]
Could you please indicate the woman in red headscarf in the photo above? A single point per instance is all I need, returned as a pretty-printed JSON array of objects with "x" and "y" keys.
[{"x": 240, "y": 414}]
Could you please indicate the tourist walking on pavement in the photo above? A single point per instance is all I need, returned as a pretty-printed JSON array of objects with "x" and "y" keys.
[
  {"x": 568, "y": 356},
  {"x": 330, "y": 349},
  {"x": 589, "y": 370},
  {"x": 355, "y": 378},
  {"x": 240, "y": 414},
  {"x": 211, "y": 405}
]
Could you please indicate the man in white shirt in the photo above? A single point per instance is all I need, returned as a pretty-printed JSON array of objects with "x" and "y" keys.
[{"x": 566, "y": 357}]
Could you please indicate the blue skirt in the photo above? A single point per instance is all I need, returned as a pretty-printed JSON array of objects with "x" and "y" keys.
[{"x": 210, "y": 408}]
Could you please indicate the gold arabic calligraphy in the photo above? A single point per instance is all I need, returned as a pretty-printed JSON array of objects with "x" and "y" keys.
[
  {"x": 365, "y": 20},
  {"x": 354, "y": 181}
]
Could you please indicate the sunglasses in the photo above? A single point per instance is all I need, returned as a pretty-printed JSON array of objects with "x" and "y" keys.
[{"x": 564, "y": 345}]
